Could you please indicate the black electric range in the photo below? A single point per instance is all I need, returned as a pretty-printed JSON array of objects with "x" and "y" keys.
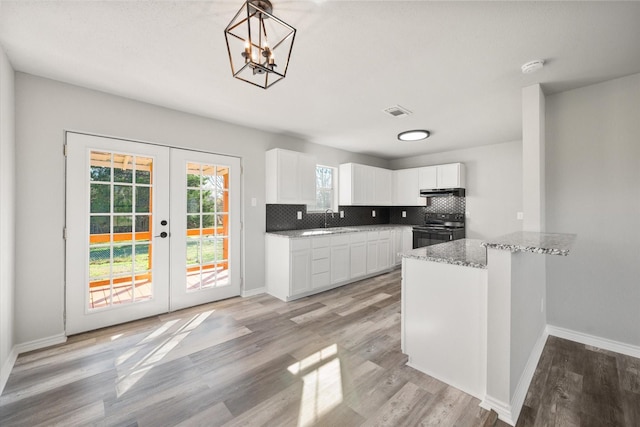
[{"x": 438, "y": 228}]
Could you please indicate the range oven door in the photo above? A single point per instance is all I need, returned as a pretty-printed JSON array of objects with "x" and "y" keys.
[{"x": 430, "y": 237}]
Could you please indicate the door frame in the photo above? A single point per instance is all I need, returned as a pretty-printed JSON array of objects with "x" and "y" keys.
[{"x": 241, "y": 212}]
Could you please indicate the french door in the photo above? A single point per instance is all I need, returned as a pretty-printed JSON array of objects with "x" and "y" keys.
[{"x": 150, "y": 229}]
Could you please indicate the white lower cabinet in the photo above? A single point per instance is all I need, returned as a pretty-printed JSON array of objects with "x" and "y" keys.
[
  {"x": 384, "y": 250},
  {"x": 298, "y": 267},
  {"x": 340, "y": 259},
  {"x": 300, "y": 271},
  {"x": 358, "y": 255},
  {"x": 372, "y": 252},
  {"x": 320, "y": 262},
  {"x": 378, "y": 251},
  {"x": 401, "y": 241}
]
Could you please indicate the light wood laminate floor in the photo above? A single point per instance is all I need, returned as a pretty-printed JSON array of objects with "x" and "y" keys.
[{"x": 331, "y": 359}]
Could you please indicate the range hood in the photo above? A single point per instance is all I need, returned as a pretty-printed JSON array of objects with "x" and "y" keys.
[{"x": 442, "y": 192}]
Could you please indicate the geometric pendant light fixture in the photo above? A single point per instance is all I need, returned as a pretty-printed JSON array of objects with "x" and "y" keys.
[{"x": 259, "y": 44}]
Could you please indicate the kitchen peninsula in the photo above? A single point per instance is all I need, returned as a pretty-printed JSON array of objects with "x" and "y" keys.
[{"x": 474, "y": 313}]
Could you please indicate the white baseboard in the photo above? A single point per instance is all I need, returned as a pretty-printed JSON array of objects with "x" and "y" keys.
[
  {"x": 252, "y": 292},
  {"x": 509, "y": 412},
  {"x": 503, "y": 409},
  {"x": 592, "y": 340},
  {"x": 7, "y": 366},
  {"x": 41, "y": 343},
  {"x": 517, "y": 400}
]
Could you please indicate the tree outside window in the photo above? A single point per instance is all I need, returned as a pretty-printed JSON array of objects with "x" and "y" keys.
[{"x": 325, "y": 189}]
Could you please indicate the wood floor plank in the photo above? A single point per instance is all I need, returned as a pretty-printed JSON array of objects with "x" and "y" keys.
[{"x": 331, "y": 359}]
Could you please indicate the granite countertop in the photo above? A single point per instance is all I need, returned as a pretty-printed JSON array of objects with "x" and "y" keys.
[
  {"x": 529, "y": 241},
  {"x": 463, "y": 252},
  {"x": 315, "y": 232}
]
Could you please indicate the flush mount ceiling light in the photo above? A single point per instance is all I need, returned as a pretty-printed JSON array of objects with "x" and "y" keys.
[
  {"x": 414, "y": 135},
  {"x": 255, "y": 38}
]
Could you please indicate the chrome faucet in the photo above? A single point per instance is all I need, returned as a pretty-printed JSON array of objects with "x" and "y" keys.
[{"x": 325, "y": 216}]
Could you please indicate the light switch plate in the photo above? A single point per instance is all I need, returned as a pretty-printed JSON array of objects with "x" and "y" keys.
[
  {"x": 299, "y": 214},
  {"x": 520, "y": 215},
  {"x": 254, "y": 201}
]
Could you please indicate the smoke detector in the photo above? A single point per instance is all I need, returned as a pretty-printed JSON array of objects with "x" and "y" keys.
[
  {"x": 532, "y": 66},
  {"x": 397, "y": 111}
]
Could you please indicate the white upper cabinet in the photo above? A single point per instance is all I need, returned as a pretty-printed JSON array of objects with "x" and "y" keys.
[
  {"x": 428, "y": 177},
  {"x": 290, "y": 177},
  {"x": 451, "y": 175},
  {"x": 406, "y": 188},
  {"x": 364, "y": 185},
  {"x": 383, "y": 194}
]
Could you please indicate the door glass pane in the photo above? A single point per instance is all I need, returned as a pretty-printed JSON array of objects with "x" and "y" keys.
[
  {"x": 142, "y": 198},
  {"x": 143, "y": 262},
  {"x": 193, "y": 222},
  {"x": 142, "y": 223},
  {"x": 122, "y": 224},
  {"x": 120, "y": 247},
  {"x": 122, "y": 259},
  {"x": 100, "y": 198},
  {"x": 207, "y": 223},
  {"x": 100, "y": 166},
  {"x": 122, "y": 198},
  {"x": 193, "y": 201},
  {"x": 193, "y": 251},
  {"x": 143, "y": 170},
  {"x": 99, "y": 224},
  {"x": 122, "y": 168}
]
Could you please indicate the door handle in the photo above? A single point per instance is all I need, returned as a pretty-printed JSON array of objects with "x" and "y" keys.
[{"x": 162, "y": 235}]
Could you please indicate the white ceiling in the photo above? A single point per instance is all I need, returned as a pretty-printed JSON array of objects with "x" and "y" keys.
[{"x": 456, "y": 65}]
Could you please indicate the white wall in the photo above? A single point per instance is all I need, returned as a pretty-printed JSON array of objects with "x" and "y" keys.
[
  {"x": 494, "y": 185},
  {"x": 44, "y": 110},
  {"x": 593, "y": 189},
  {"x": 533, "y": 158},
  {"x": 7, "y": 217}
]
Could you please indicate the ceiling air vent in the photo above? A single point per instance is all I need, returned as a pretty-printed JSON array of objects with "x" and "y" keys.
[{"x": 397, "y": 111}]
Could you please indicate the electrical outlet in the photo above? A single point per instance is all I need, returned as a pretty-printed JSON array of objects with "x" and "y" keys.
[
  {"x": 467, "y": 214},
  {"x": 341, "y": 214},
  {"x": 519, "y": 215},
  {"x": 373, "y": 214},
  {"x": 299, "y": 214},
  {"x": 404, "y": 214}
]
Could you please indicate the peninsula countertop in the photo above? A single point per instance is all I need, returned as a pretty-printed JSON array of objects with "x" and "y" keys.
[
  {"x": 535, "y": 242},
  {"x": 472, "y": 252},
  {"x": 463, "y": 252}
]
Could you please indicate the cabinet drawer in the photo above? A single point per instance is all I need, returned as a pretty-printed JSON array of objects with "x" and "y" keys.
[
  {"x": 384, "y": 234},
  {"x": 320, "y": 242},
  {"x": 372, "y": 236},
  {"x": 341, "y": 239},
  {"x": 320, "y": 279},
  {"x": 300, "y": 244},
  {"x": 358, "y": 237},
  {"x": 320, "y": 266},
  {"x": 321, "y": 253}
]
